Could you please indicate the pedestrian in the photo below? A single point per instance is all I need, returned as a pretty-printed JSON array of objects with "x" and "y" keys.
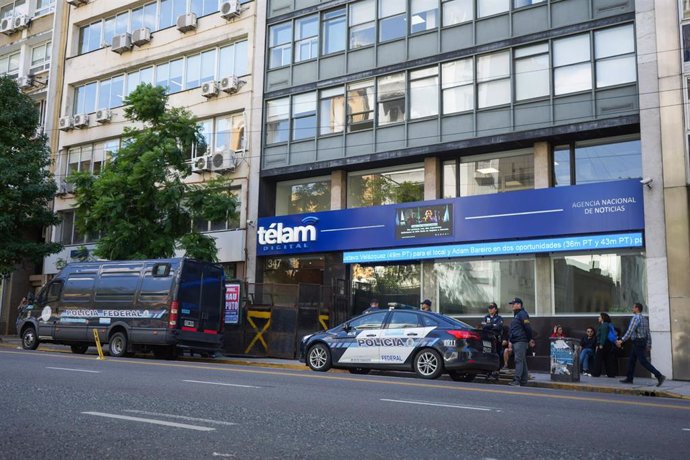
[
  {"x": 557, "y": 332},
  {"x": 638, "y": 333},
  {"x": 520, "y": 336},
  {"x": 605, "y": 352},
  {"x": 373, "y": 306},
  {"x": 426, "y": 305},
  {"x": 588, "y": 345},
  {"x": 493, "y": 325}
]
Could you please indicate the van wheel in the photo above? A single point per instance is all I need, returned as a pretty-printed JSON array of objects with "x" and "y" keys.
[
  {"x": 118, "y": 345},
  {"x": 29, "y": 339},
  {"x": 79, "y": 349}
]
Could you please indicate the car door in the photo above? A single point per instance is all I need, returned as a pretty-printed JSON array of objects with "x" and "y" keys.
[
  {"x": 48, "y": 301},
  {"x": 401, "y": 336},
  {"x": 360, "y": 340}
]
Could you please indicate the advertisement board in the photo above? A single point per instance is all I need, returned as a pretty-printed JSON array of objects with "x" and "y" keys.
[{"x": 232, "y": 303}]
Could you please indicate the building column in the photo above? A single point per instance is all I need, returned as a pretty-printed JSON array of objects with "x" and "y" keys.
[
  {"x": 542, "y": 280},
  {"x": 433, "y": 178},
  {"x": 338, "y": 190}
]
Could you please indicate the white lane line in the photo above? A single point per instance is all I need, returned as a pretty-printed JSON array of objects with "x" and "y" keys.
[
  {"x": 151, "y": 421},
  {"x": 73, "y": 370},
  {"x": 526, "y": 213},
  {"x": 221, "y": 384},
  {"x": 686, "y": 429},
  {"x": 452, "y": 406},
  {"x": 364, "y": 227},
  {"x": 180, "y": 417}
]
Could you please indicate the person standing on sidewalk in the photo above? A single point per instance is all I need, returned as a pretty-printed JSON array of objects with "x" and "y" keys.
[
  {"x": 520, "y": 336},
  {"x": 638, "y": 333},
  {"x": 605, "y": 354},
  {"x": 493, "y": 325}
]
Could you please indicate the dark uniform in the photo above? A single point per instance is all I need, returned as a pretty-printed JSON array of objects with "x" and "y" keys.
[
  {"x": 520, "y": 335},
  {"x": 494, "y": 325}
]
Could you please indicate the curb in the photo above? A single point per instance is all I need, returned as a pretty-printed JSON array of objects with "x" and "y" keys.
[{"x": 643, "y": 391}]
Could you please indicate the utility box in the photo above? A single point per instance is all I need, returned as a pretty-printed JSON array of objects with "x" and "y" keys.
[{"x": 565, "y": 359}]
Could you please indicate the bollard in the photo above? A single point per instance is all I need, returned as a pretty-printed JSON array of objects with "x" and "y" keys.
[{"x": 98, "y": 345}]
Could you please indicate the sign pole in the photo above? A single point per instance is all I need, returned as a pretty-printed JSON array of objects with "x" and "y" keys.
[{"x": 98, "y": 345}]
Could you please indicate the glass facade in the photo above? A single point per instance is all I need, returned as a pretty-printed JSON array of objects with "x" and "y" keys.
[
  {"x": 303, "y": 195},
  {"x": 385, "y": 186}
]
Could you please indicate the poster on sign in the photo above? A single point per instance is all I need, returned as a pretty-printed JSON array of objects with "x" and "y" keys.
[{"x": 232, "y": 304}]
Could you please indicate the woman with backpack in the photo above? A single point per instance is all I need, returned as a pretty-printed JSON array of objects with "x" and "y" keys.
[{"x": 605, "y": 353}]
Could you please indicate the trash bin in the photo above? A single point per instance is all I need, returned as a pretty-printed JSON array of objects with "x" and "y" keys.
[{"x": 565, "y": 359}]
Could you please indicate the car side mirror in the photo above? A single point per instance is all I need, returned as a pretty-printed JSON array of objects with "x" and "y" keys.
[{"x": 347, "y": 327}]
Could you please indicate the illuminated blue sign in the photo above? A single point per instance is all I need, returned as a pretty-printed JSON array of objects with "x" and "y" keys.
[
  {"x": 603, "y": 208},
  {"x": 499, "y": 248}
]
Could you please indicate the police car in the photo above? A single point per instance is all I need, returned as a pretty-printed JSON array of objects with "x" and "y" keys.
[{"x": 424, "y": 342}]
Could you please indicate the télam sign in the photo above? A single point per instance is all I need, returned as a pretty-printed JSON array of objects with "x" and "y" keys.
[{"x": 603, "y": 208}]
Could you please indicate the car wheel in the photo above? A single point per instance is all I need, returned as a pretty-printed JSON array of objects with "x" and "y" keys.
[
  {"x": 359, "y": 370},
  {"x": 79, "y": 349},
  {"x": 118, "y": 345},
  {"x": 462, "y": 376},
  {"x": 319, "y": 358},
  {"x": 29, "y": 339},
  {"x": 428, "y": 364}
]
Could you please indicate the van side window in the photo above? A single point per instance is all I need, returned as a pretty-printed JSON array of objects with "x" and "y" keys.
[
  {"x": 79, "y": 287},
  {"x": 53, "y": 291},
  {"x": 160, "y": 270}
]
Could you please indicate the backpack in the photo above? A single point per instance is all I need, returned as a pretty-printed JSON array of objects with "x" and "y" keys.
[{"x": 612, "y": 336}]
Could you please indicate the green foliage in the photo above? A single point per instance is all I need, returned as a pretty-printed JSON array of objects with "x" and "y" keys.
[
  {"x": 380, "y": 189},
  {"x": 26, "y": 185},
  {"x": 140, "y": 203}
]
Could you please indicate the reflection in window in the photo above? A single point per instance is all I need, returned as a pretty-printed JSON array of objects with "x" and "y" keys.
[
  {"x": 280, "y": 45},
  {"x": 532, "y": 72},
  {"x": 598, "y": 160},
  {"x": 571, "y": 61},
  {"x": 392, "y": 20},
  {"x": 490, "y": 7},
  {"x": 614, "y": 51},
  {"x": 304, "y": 116},
  {"x": 385, "y": 186},
  {"x": 467, "y": 287},
  {"x": 277, "y": 120},
  {"x": 362, "y": 24},
  {"x": 332, "y": 111},
  {"x": 391, "y": 94},
  {"x": 495, "y": 173},
  {"x": 392, "y": 285},
  {"x": 457, "y": 80},
  {"x": 303, "y": 195},
  {"x": 519, "y": 3},
  {"x": 450, "y": 179},
  {"x": 334, "y": 31},
  {"x": 360, "y": 105},
  {"x": 457, "y": 11},
  {"x": 598, "y": 282},
  {"x": 424, "y": 92},
  {"x": 307, "y": 38},
  {"x": 423, "y": 15},
  {"x": 493, "y": 79}
]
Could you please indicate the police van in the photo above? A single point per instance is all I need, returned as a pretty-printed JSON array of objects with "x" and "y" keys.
[{"x": 163, "y": 306}]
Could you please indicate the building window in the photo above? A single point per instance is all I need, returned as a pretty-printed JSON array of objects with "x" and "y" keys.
[
  {"x": 303, "y": 195},
  {"x": 360, "y": 105},
  {"x": 457, "y": 80},
  {"x": 491, "y": 7},
  {"x": 686, "y": 9},
  {"x": 232, "y": 222},
  {"x": 424, "y": 92},
  {"x": 85, "y": 98},
  {"x": 9, "y": 64},
  {"x": 44, "y": 7},
  {"x": 234, "y": 60},
  {"x": 423, "y": 15},
  {"x": 139, "y": 77},
  {"x": 304, "y": 116},
  {"x": 111, "y": 92},
  {"x": 450, "y": 179},
  {"x": 67, "y": 232},
  {"x": 496, "y": 173},
  {"x": 597, "y": 160},
  {"x": 614, "y": 51},
  {"x": 466, "y": 287},
  {"x": 280, "y": 45},
  {"x": 457, "y": 11},
  {"x": 362, "y": 24},
  {"x": 307, "y": 38},
  {"x": 385, "y": 186},
  {"x": 493, "y": 79},
  {"x": 392, "y": 20},
  {"x": 686, "y": 42},
  {"x": 332, "y": 111},
  {"x": 532, "y": 72},
  {"x": 521, "y": 3},
  {"x": 40, "y": 58},
  {"x": 277, "y": 120},
  {"x": 572, "y": 68},
  {"x": 391, "y": 98},
  {"x": 334, "y": 31},
  {"x": 224, "y": 133},
  {"x": 203, "y": 7},
  {"x": 90, "y": 158},
  {"x": 593, "y": 283}
]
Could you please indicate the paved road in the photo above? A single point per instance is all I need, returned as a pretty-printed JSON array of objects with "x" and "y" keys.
[{"x": 57, "y": 405}]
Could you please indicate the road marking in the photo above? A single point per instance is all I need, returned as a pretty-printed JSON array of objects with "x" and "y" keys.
[
  {"x": 308, "y": 375},
  {"x": 181, "y": 417},
  {"x": 218, "y": 454},
  {"x": 73, "y": 370},
  {"x": 151, "y": 421},
  {"x": 222, "y": 384},
  {"x": 686, "y": 429},
  {"x": 452, "y": 406}
]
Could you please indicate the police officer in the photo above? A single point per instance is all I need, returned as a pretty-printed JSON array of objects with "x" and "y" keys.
[
  {"x": 493, "y": 324},
  {"x": 373, "y": 306},
  {"x": 520, "y": 336}
]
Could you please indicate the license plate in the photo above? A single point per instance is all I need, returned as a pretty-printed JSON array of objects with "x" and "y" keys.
[
  {"x": 487, "y": 346},
  {"x": 189, "y": 323}
]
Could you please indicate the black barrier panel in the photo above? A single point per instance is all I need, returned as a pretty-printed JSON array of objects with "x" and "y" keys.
[
  {"x": 282, "y": 333},
  {"x": 308, "y": 323}
]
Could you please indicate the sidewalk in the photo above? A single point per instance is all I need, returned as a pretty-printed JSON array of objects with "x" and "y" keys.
[{"x": 642, "y": 387}]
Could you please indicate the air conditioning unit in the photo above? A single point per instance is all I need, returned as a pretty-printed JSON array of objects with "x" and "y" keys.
[
  {"x": 7, "y": 26},
  {"x": 121, "y": 43},
  {"x": 81, "y": 120},
  {"x": 230, "y": 9},
  {"x": 25, "y": 82},
  {"x": 103, "y": 115},
  {"x": 77, "y": 2},
  {"x": 200, "y": 164},
  {"x": 209, "y": 89},
  {"x": 66, "y": 123},
  {"x": 229, "y": 84},
  {"x": 141, "y": 36},
  {"x": 21, "y": 21},
  {"x": 186, "y": 22},
  {"x": 222, "y": 161}
]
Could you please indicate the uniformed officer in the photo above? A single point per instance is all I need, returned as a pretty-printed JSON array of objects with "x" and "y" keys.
[
  {"x": 493, "y": 323},
  {"x": 520, "y": 336}
]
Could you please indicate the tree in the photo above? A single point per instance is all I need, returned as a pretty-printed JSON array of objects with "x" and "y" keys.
[
  {"x": 140, "y": 204},
  {"x": 26, "y": 185}
]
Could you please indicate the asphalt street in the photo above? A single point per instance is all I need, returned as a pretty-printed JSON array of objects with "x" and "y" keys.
[{"x": 57, "y": 405}]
